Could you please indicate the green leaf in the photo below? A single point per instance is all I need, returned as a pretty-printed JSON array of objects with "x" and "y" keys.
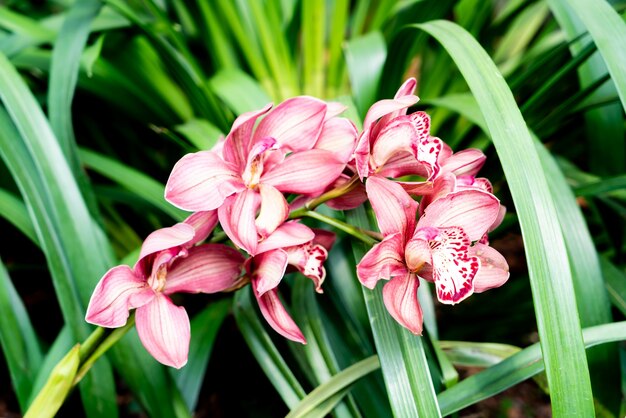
[
  {"x": 200, "y": 132},
  {"x": 551, "y": 278},
  {"x": 204, "y": 328},
  {"x": 470, "y": 354},
  {"x": 56, "y": 389},
  {"x": 140, "y": 184},
  {"x": 402, "y": 354},
  {"x": 18, "y": 340},
  {"x": 615, "y": 284},
  {"x": 365, "y": 57},
  {"x": 13, "y": 210},
  {"x": 313, "y": 34},
  {"x": 264, "y": 350},
  {"x": 332, "y": 387},
  {"x": 516, "y": 368},
  {"x": 239, "y": 91}
]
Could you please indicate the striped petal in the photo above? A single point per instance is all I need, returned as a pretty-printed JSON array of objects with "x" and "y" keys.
[
  {"x": 116, "y": 293},
  {"x": 201, "y": 181},
  {"x": 203, "y": 224},
  {"x": 166, "y": 238},
  {"x": 383, "y": 261},
  {"x": 472, "y": 210},
  {"x": 493, "y": 271},
  {"x": 208, "y": 268},
  {"x": 306, "y": 172},
  {"x": 277, "y": 316},
  {"x": 237, "y": 217},
  {"x": 467, "y": 162},
  {"x": 295, "y": 123},
  {"x": 268, "y": 270},
  {"x": 164, "y": 331},
  {"x": 400, "y": 298},
  {"x": 338, "y": 136},
  {"x": 274, "y": 210},
  {"x": 309, "y": 260},
  {"x": 237, "y": 144},
  {"x": 394, "y": 208},
  {"x": 288, "y": 234}
]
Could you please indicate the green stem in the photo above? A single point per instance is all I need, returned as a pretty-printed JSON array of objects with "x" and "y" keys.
[
  {"x": 98, "y": 347},
  {"x": 365, "y": 236}
]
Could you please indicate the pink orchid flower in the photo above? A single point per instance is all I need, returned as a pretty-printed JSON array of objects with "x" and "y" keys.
[
  {"x": 168, "y": 263},
  {"x": 298, "y": 147},
  {"x": 394, "y": 144},
  {"x": 266, "y": 271},
  {"x": 437, "y": 248}
]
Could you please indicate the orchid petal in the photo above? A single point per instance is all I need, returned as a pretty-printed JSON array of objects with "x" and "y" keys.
[
  {"x": 164, "y": 331},
  {"x": 467, "y": 162},
  {"x": 324, "y": 238},
  {"x": 201, "y": 181},
  {"x": 453, "y": 268},
  {"x": 417, "y": 188},
  {"x": 116, "y": 293},
  {"x": 288, "y": 234},
  {"x": 237, "y": 143},
  {"x": 362, "y": 154},
  {"x": 472, "y": 210},
  {"x": 350, "y": 200},
  {"x": 237, "y": 217},
  {"x": 394, "y": 208},
  {"x": 295, "y": 123},
  {"x": 403, "y": 164},
  {"x": 407, "y": 88},
  {"x": 269, "y": 269},
  {"x": 309, "y": 260},
  {"x": 400, "y": 298},
  {"x": 277, "y": 316},
  {"x": 256, "y": 159},
  {"x": 428, "y": 152},
  {"x": 386, "y": 106},
  {"x": 396, "y": 137},
  {"x": 306, "y": 172},
  {"x": 383, "y": 261},
  {"x": 333, "y": 109},
  {"x": 475, "y": 183},
  {"x": 203, "y": 223},
  {"x": 417, "y": 253},
  {"x": 493, "y": 271},
  {"x": 338, "y": 136},
  {"x": 443, "y": 185},
  {"x": 166, "y": 238},
  {"x": 208, "y": 268},
  {"x": 274, "y": 210}
]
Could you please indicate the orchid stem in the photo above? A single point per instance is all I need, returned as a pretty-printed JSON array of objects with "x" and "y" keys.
[
  {"x": 358, "y": 233},
  {"x": 97, "y": 344},
  {"x": 331, "y": 194}
]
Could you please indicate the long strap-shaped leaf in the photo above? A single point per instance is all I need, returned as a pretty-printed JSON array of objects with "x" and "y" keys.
[
  {"x": 551, "y": 278},
  {"x": 402, "y": 357}
]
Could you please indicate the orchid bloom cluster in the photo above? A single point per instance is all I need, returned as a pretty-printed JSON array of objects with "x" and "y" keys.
[{"x": 302, "y": 150}]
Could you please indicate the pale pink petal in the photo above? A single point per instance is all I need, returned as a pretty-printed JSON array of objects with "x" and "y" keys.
[
  {"x": 467, "y": 162},
  {"x": 417, "y": 188},
  {"x": 396, "y": 137},
  {"x": 333, "y": 109},
  {"x": 274, "y": 210},
  {"x": 208, "y": 268},
  {"x": 386, "y": 106},
  {"x": 404, "y": 164},
  {"x": 164, "y": 331},
  {"x": 338, "y": 136},
  {"x": 400, "y": 298},
  {"x": 309, "y": 260},
  {"x": 384, "y": 261},
  {"x": 472, "y": 210},
  {"x": 306, "y": 172},
  {"x": 443, "y": 185},
  {"x": 394, "y": 208},
  {"x": 268, "y": 270},
  {"x": 493, "y": 271},
  {"x": 237, "y": 217},
  {"x": 203, "y": 223},
  {"x": 362, "y": 155},
  {"x": 417, "y": 252},
  {"x": 277, "y": 316},
  {"x": 237, "y": 143},
  {"x": 201, "y": 181},
  {"x": 286, "y": 235},
  {"x": 116, "y": 293},
  {"x": 407, "y": 88},
  {"x": 453, "y": 268},
  {"x": 295, "y": 123},
  {"x": 166, "y": 238},
  {"x": 471, "y": 182},
  {"x": 499, "y": 219}
]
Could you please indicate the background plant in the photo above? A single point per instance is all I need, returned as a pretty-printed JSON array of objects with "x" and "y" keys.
[{"x": 100, "y": 99}]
